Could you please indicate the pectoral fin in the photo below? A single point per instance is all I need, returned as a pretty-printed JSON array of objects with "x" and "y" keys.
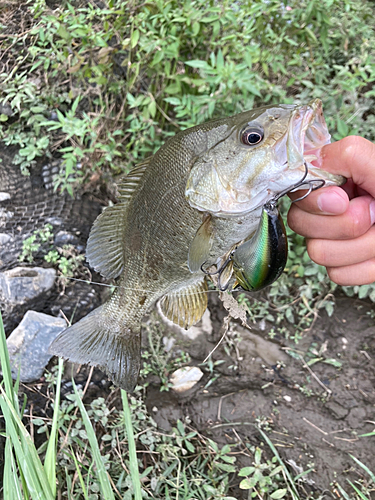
[
  {"x": 200, "y": 247},
  {"x": 186, "y": 306}
]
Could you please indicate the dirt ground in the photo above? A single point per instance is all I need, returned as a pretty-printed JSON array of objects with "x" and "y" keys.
[{"x": 314, "y": 416}]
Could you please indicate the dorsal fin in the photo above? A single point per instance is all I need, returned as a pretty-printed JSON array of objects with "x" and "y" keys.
[
  {"x": 186, "y": 306},
  {"x": 130, "y": 183},
  {"x": 104, "y": 249}
]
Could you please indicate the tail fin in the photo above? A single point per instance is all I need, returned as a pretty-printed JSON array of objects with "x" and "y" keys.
[{"x": 104, "y": 342}]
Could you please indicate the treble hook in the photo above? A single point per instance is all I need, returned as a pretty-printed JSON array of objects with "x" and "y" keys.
[
  {"x": 311, "y": 188},
  {"x": 208, "y": 273},
  {"x": 219, "y": 272},
  {"x": 309, "y": 183}
]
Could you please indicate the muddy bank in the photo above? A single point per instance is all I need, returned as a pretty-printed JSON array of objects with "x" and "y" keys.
[{"x": 314, "y": 416}]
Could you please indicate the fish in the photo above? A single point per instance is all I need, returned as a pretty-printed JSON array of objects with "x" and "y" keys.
[
  {"x": 260, "y": 261},
  {"x": 180, "y": 211}
]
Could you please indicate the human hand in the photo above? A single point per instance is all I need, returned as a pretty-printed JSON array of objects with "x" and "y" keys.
[{"x": 338, "y": 221}]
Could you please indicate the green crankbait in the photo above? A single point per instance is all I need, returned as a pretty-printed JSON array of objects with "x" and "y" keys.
[{"x": 260, "y": 261}]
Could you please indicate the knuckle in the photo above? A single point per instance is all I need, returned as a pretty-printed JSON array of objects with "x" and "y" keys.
[
  {"x": 317, "y": 251},
  {"x": 350, "y": 147},
  {"x": 357, "y": 224}
]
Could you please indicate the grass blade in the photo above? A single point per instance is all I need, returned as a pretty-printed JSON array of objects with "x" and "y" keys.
[
  {"x": 105, "y": 485},
  {"x": 80, "y": 477},
  {"x": 133, "y": 463},
  {"x": 11, "y": 485},
  {"x": 359, "y": 493},
  {"x": 343, "y": 493},
  {"x": 291, "y": 485},
  {"x": 30, "y": 469},
  {"x": 364, "y": 467},
  {"x": 27, "y": 456},
  {"x": 50, "y": 458},
  {"x": 367, "y": 435},
  {"x": 5, "y": 367}
]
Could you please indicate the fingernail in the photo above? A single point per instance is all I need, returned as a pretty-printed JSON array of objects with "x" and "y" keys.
[
  {"x": 372, "y": 211},
  {"x": 332, "y": 203}
]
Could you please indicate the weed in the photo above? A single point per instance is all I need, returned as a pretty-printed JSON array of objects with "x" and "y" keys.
[
  {"x": 65, "y": 259},
  {"x": 32, "y": 244},
  {"x": 262, "y": 477}
]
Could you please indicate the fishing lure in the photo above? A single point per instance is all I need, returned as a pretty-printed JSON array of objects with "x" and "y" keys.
[{"x": 260, "y": 260}]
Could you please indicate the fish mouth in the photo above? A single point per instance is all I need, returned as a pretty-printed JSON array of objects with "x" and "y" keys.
[
  {"x": 307, "y": 134},
  {"x": 297, "y": 154}
]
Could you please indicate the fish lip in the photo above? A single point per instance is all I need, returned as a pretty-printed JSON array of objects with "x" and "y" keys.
[{"x": 307, "y": 134}]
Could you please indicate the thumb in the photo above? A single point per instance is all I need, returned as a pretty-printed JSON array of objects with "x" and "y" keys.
[{"x": 352, "y": 157}]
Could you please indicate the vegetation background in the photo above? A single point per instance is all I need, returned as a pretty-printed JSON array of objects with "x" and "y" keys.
[{"x": 102, "y": 84}]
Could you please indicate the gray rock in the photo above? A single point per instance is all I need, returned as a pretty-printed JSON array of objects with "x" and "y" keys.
[
  {"x": 336, "y": 410},
  {"x": 22, "y": 284},
  {"x": 28, "y": 344},
  {"x": 65, "y": 238},
  {"x": 5, "y": 238}
]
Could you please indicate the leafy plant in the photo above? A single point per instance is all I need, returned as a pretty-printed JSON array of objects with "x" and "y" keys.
[
  {"x": 261, "y": 475},
  {"x": 66, "y": 259}
]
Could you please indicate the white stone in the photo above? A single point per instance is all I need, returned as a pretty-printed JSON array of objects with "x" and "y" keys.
[
  {"x": 185, "y": 378},
  {"x": 4, "y": 196}
]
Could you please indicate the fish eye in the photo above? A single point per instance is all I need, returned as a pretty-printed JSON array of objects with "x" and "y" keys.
[{"x": 252, "y": 136}]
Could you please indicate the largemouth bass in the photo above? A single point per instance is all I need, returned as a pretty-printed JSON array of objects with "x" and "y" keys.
[{"x": 197, "y": 198}]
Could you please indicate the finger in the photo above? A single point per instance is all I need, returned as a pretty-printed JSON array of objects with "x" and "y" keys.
[
  {"x": 356, "y": 274},
  {"x": 353, "y": 157},
  {"x": 340, "y": 253},
  {"x": 356, "y": 221},
  {"x": 330, "y": 201}
]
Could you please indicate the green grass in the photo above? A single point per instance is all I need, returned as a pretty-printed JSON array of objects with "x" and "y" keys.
[
  {"x": 25, "y": 476},
  {"x": 23, "y": 468}
]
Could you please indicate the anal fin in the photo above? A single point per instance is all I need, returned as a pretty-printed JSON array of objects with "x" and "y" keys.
[{"x": 185, "y": 307}]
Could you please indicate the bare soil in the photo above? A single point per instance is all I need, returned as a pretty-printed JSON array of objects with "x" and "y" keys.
[{"x": 315, "y": 416}]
